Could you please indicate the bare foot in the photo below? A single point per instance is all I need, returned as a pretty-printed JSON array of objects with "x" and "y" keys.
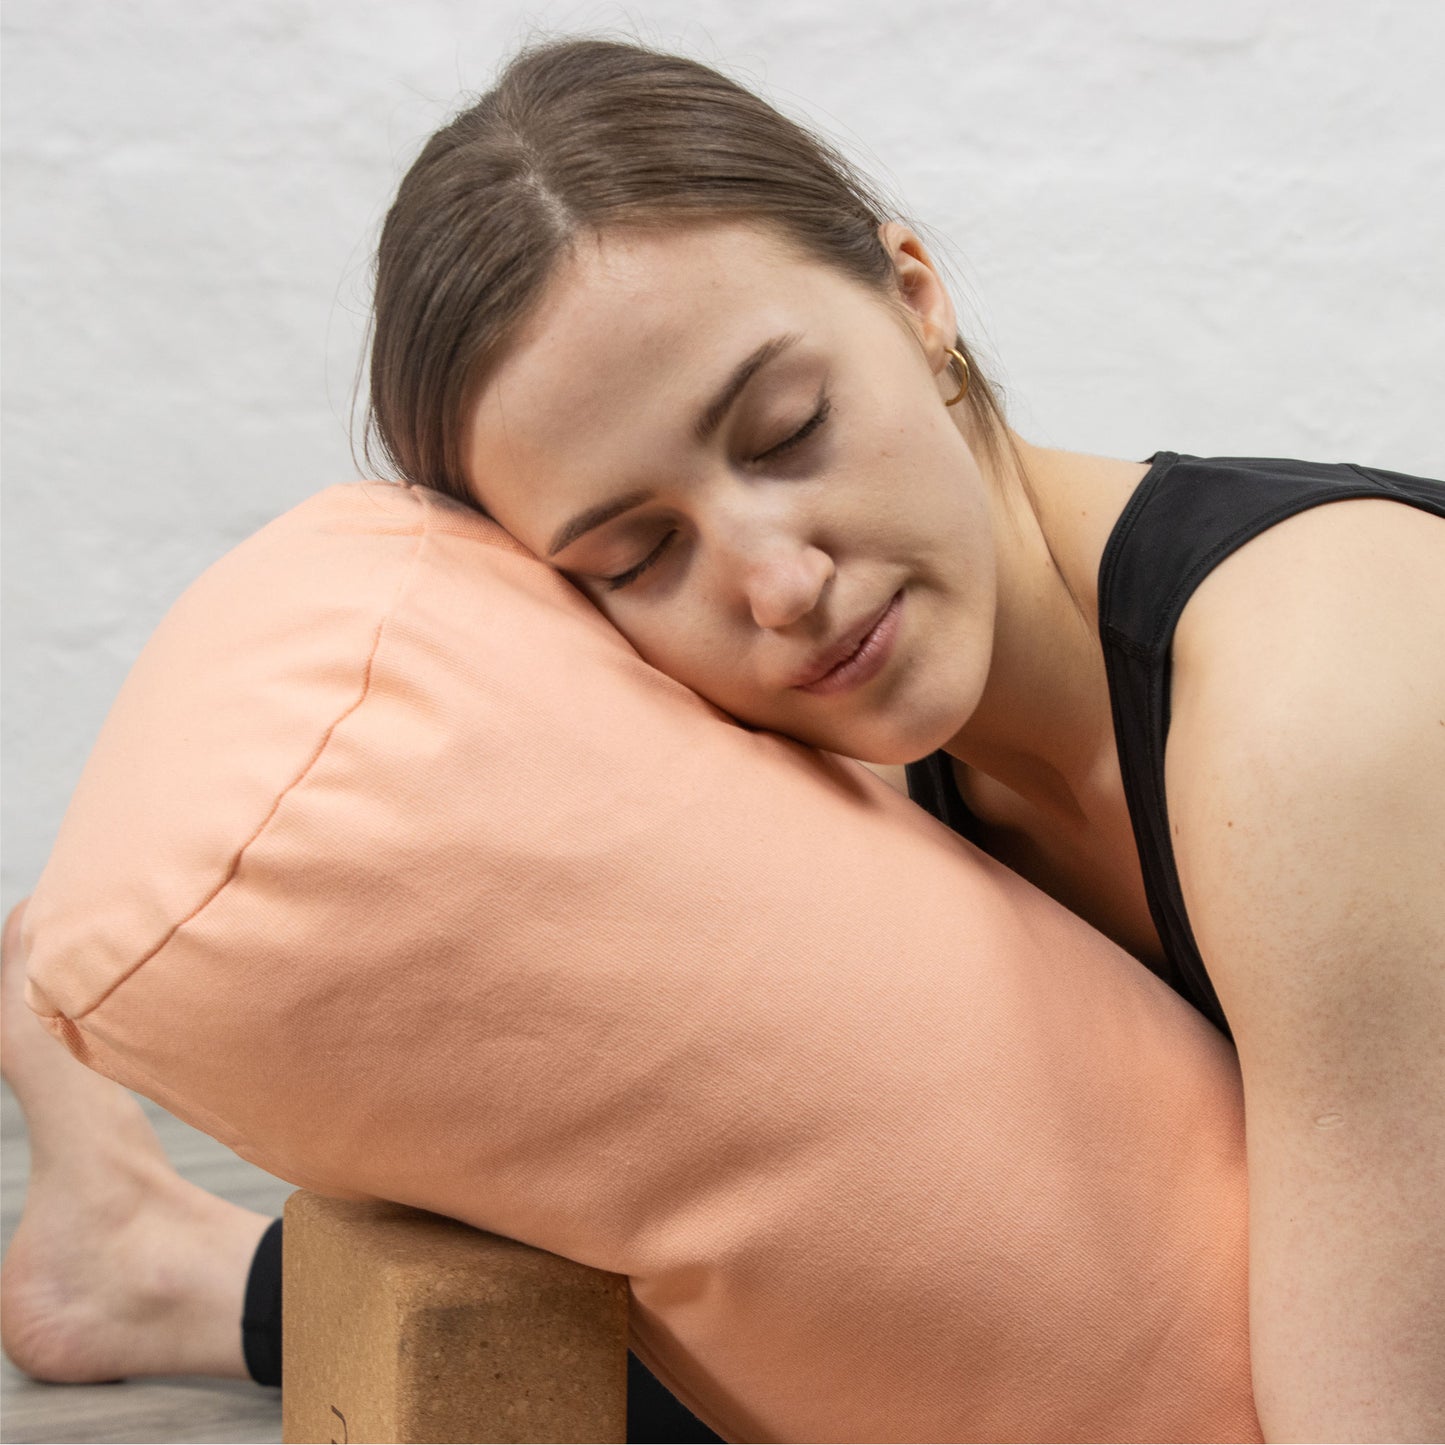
[{"x": 118, "y": 1265}]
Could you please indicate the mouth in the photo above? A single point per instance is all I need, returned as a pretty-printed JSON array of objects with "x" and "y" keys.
[{"x": 857, "y": 656}]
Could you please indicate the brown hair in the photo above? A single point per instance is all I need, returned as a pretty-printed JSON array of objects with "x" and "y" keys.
[{"x": 584, "y": 135}]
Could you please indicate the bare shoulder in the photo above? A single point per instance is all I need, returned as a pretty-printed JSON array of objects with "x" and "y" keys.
[{"x": 1306, "y": 760}]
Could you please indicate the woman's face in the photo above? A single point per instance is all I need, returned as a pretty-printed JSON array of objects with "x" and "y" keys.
[{"x": 744, "y": 459}]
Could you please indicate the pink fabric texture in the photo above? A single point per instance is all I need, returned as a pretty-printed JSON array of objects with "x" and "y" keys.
[{"x": 395, "y": 869}]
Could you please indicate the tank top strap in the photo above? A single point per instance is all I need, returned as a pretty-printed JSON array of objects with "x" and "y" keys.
[{"x": 1185, "y": 517}]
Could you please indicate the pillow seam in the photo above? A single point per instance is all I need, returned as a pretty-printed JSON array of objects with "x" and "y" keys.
[{"x": 235, "y": 865}]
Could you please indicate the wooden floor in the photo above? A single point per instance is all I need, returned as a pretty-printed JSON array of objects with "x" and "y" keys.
[{"x": 176, "y": 1409}]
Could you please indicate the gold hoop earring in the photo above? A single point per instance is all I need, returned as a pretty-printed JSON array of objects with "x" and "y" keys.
[{"x": 962, "y": 361}]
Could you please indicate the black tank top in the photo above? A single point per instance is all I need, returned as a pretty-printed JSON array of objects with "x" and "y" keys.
[{"x": 1185, "y": 517}]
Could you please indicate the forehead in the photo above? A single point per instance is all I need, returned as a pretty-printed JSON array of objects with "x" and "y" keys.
[{"x": 633, "y": 333}]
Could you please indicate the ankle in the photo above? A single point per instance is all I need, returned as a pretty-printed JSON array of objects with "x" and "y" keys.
[{"x": 137, "y": 1275}]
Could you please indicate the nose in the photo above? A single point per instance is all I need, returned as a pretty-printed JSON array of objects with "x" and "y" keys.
[{"x": 784, "y": 581}]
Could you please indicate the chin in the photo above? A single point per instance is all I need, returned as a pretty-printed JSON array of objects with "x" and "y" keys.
[
  {"x": 898, "y": 738},
  {"x": 890, "y": 731},
  {"x": 884, "y": 746}
]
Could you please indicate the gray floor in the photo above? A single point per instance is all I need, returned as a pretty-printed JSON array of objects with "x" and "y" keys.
[{"x": 173, "y": 1409}]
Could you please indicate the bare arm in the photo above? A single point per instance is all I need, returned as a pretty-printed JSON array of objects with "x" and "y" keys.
[{"x": 1307, "y": 794}]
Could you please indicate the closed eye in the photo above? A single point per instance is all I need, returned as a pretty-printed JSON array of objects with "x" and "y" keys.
[
  {"x": 633, "y": 573},
  {"x": 801, "y": 435}
]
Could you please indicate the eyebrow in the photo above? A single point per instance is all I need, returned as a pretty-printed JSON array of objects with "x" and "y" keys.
[{"x": 708, "y": 421}]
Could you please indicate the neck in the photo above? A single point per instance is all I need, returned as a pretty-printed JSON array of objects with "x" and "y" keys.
[{"x": 1043, "y": 726}]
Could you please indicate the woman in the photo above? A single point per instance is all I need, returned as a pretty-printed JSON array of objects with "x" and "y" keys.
[{"x": 674, "y": 347}]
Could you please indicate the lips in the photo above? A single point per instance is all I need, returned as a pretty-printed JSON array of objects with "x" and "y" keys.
[{"x": 845, "y": 648}]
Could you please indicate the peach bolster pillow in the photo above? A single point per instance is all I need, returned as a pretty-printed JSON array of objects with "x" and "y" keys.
[{"x": 398, "y": 871}]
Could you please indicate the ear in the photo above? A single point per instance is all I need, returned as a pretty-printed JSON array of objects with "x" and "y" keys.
[{"x": 921, "y": 291}]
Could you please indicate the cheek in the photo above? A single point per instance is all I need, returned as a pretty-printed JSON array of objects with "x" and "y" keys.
[
  {"x": 915, "y": 476},
  {"x": 676, "y": 640}
]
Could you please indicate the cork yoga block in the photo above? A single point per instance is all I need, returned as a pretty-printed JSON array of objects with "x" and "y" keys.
[{"x": 401, "y": 1325}]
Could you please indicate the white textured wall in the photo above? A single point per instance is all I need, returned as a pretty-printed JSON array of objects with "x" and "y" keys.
[{"x": 1211, "y": 227}]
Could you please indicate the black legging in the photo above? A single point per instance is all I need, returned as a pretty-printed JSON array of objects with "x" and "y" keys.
[{"x": 653, "y": 1412}]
